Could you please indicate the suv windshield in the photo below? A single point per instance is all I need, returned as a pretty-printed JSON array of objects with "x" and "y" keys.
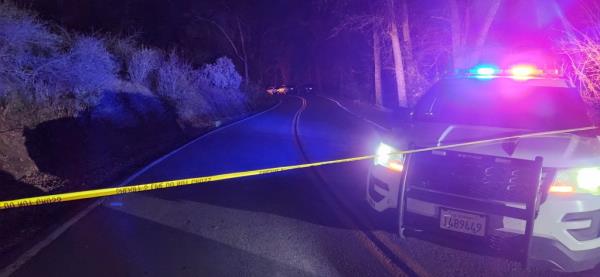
[{"x": 503, "y": 103}]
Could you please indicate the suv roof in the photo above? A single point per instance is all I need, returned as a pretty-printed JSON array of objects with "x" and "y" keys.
[
  {"x": 534, "y": 81},
  {"x": 536, "y": 104}
]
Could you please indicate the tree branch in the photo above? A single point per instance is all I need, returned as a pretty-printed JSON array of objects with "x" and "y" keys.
[{"x": 225, "y": 34}]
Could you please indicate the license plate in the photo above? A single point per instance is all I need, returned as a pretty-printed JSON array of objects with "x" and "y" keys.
[{"x": 458, "y": 221}]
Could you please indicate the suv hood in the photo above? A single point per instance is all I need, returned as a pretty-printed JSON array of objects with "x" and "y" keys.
[{"x": 559, "y": 151}]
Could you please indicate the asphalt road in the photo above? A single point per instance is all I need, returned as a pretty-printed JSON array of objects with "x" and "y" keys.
[{"x": 310, "y": 222}]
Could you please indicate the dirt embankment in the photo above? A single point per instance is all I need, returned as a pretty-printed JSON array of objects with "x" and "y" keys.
[
  {"x": 71, "y": 154},
  {"x": 77, "y": 153}
]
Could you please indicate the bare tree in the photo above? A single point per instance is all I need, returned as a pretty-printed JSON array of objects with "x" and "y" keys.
[
  {"x": 239, "y": 50},
  {"x": 485, "y": 28},
  {"x": 397, "y": 54},
  {"x": 460, "y": 25},
  {"x": 416, "y": 82},
  {"x": 457, "y": 34},
  {"x": 583, "y": 53},
  {"x": 398, "y": 65},
  {"x": 377, "y": 68},
  {"x": 373, "y": 24},
  {"x": 381, "y": 22},
  {"x": 407, "y": 40}
]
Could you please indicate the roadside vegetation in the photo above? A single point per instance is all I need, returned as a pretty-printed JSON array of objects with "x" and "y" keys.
[
  {"x": 582, "y": 49},
  {"x": 83, "y": 110},
  {"x": 49, "y": 73}
]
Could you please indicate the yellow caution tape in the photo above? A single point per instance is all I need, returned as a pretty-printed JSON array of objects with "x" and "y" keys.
[{"x": 94, "y": 193}]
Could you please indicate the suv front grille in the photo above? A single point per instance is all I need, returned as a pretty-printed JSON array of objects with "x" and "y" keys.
[
  {"x": 493, "y": 179},
  {"x": 489, "y": 186}
]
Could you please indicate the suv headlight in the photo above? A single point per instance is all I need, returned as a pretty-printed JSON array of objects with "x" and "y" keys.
[
  {"x": 388, "y": 157},
  {"x": 583, "y": 180}
]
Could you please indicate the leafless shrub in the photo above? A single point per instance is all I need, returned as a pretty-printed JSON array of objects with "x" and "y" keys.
[
  {"x": 178, "y": 84},
  {"x": 26, "y": 48},
  {"x": 583, "y": 52},
  {"x": 143, "y": 66},
  {"x": 89, "y": 69},
  {"x": 23, "y": 30},
  {"x": 220, "y": 85},
  {"x": 221, "y": 74},
  {"x": 122, "y": 48},
  {"x": 582, "y": 48},
  {"x": 45, "y": 76}
]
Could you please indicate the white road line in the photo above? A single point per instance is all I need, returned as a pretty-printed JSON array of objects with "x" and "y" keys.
[
  {"x": 33, "y": 251},
  {"x": 354, "y": 114}
]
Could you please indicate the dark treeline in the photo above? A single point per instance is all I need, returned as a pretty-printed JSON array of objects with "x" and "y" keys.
[{"x": 385, "y": 51}]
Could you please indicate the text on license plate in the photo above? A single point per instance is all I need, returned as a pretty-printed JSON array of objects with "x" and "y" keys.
[{"x": 463, "y": 222}]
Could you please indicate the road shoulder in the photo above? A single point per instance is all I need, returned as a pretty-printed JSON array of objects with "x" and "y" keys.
[{"x": 61, "y": 228}]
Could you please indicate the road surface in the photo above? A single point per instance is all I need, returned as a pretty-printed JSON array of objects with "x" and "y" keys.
[{"x": 310, "y": 222}]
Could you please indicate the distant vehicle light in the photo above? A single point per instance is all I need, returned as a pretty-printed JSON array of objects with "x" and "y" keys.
[
  {"x": 386, "y": 157},
  {"x": 271, "y": 90}
]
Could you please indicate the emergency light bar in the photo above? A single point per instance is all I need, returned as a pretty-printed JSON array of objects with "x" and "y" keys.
[{"x": 517, "y": 72}]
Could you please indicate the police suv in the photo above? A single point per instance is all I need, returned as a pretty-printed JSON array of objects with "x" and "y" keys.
[{"x": 530, "y": 199}]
